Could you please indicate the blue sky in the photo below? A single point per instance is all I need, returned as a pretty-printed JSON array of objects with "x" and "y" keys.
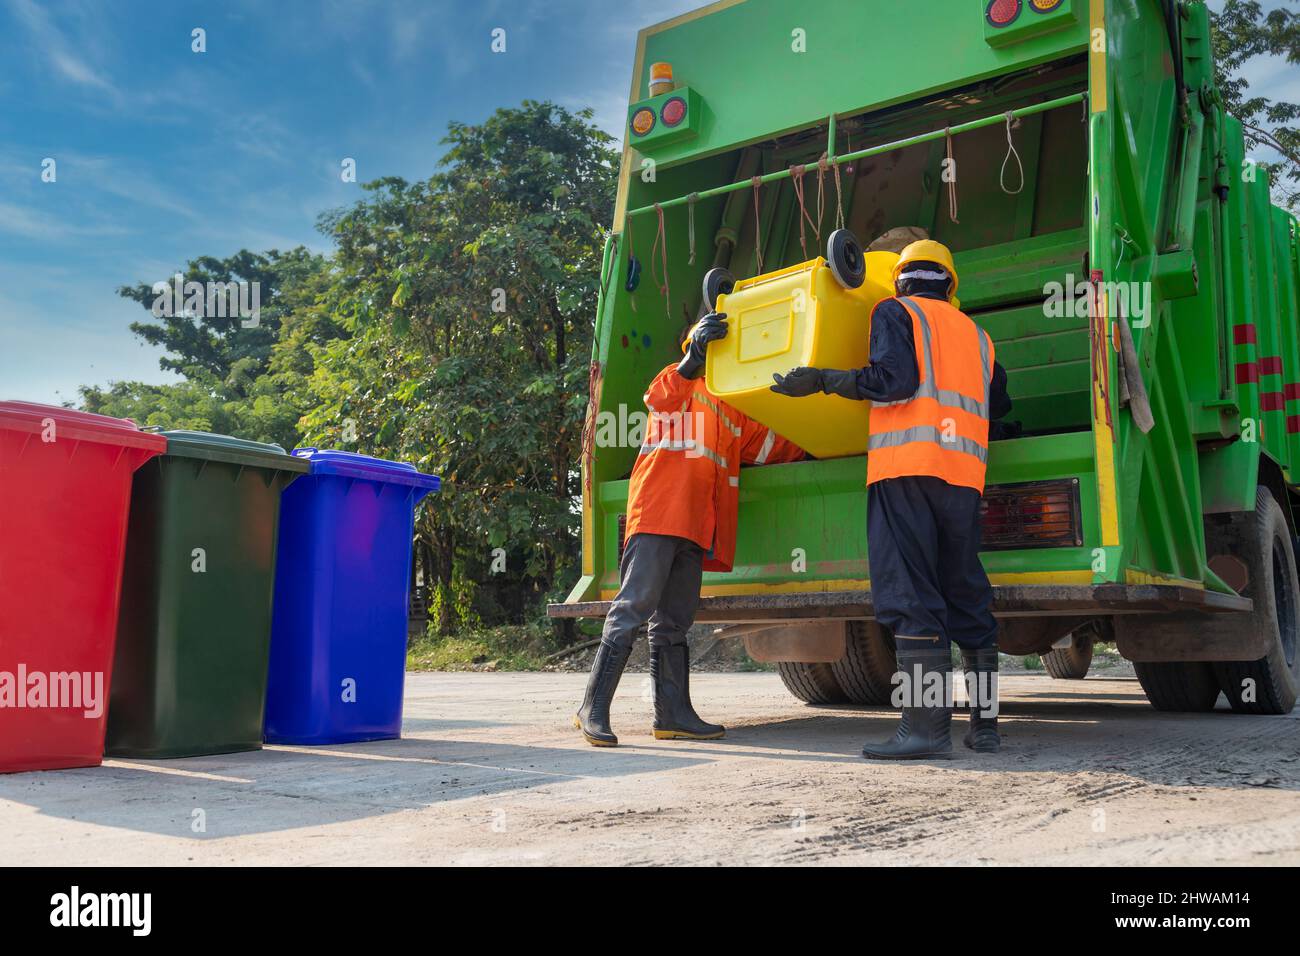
[{"x": 164, "y": 154}]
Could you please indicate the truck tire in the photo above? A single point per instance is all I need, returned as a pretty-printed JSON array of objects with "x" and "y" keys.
[
  {"x": 811, "y": 683},
  {"x": 1070, "y": 663},
  {"x": 1184, "y": 686},
  {"x": 1268, "y": 685},
  {"x": 865, "y": 673}
]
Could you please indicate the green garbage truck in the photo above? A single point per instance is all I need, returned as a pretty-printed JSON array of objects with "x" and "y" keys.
[{"x": 1112, "y": 236}]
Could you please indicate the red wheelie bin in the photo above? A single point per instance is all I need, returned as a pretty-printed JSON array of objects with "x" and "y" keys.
[{"x": 65, "y": 491}]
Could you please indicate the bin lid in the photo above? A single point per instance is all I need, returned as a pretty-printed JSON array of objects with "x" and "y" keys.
[
  {"x": 209, "y": 446},
  {"x": 350, "y": 464},
  {"x": 30, "y": 417}
]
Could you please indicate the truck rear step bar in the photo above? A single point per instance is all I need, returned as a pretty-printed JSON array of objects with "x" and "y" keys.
[{"x": 1010, "y": 600}]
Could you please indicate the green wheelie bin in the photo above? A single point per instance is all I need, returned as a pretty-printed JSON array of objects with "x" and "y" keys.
[{"x": 194, "y": 629}]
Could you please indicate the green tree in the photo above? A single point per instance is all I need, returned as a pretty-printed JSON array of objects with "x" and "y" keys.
[
  {"x": 236, "y": 380},
  {"x": 451, "y": 328},
  {"x": 483, "y": 279},
  {"x": 224, "y": 345},
  {"x": 1243, "y": 29}
]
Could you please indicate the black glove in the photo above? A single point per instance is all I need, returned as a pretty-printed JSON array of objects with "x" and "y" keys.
[
  {"x": 1001, "y": 431},
  {"x": 842, "y": 383},
  {"x": 798, "y": 382},
  {"x": 709, "y": 329}
]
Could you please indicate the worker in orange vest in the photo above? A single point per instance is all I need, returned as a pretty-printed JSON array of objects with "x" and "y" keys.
[
  {"x": 681, "y": 520},
  {"x": 934, "y": 386}
]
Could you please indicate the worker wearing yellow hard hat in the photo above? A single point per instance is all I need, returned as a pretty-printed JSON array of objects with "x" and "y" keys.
[
  {"x": 916, "y": 257},
  {"x": 935, "y": 387}
]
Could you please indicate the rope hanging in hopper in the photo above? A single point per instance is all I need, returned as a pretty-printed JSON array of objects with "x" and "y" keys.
[
  {"x": 691, "y": 200},
  {"x": 1011, "y": 151},
  {"x": 661, "y": 246},
  {"x": 839, "y": 200},
  {"x": 758, "y": 229},
  {"x": 848, "y": 146},
  {"x": 821, "y": 194},
  {"x": 796, "y": 180},
  {"x": 594, "y": 382},
  {"x": 952, "y": 178}
]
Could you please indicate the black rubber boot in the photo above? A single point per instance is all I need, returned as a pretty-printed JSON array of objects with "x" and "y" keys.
[
  {"x": 675, "y": 717},
  {"x": 593, "y": 716},
  {"x": 983, "y": 735},
  {"x": 922, "y": 731}
]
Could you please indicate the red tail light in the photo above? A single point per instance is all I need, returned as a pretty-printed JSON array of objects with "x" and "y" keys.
[
  {"x": 1032, "y": 514},
  {"x": 674, "y": 111},
  {"x": 1001, "y": 13}
]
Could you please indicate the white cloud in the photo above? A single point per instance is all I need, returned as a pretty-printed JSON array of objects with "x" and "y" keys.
[
  {"x": 28, "y": 222},
  {"x": 68, "y": 55}
]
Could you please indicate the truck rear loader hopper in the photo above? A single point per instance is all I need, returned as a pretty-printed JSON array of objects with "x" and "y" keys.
[{"x": 1111, "y": 236}]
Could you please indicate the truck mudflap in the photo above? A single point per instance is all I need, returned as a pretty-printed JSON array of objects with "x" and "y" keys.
[{"x": 1009, "y": 600}]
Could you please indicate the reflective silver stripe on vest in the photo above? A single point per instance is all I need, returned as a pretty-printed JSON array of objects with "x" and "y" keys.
[
  {"x": 667, "y": 444},
  {"x": 766, "y": 450},
  {"x": 928, "y": 433},
  {"x": 715, "y": 458},
  {"x": 986, "y": 344},
  {"x": 927, "y": 388},
  {"x": 707, "y": 403},
  {"x": 690, "y": 446}
]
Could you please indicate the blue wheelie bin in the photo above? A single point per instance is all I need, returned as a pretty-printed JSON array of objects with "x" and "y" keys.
[{"x": 338, "y": 634}]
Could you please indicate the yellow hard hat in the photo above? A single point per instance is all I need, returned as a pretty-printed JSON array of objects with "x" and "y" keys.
[{"x": 927, "y": 250}]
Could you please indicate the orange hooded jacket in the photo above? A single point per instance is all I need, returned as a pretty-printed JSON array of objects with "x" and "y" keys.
[{"x": 686, "y": 481}]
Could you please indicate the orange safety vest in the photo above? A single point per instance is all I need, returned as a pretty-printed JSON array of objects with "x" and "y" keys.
[
  {"x": 686, "y": 481},
  {"x": 942, "y": 430}
]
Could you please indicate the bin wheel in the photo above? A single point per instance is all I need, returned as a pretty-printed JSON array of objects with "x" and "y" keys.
[
  {"x": 844, "y": 256},
  {"x": 811, "y": 683},
  {"x": 717, "y": 281}
]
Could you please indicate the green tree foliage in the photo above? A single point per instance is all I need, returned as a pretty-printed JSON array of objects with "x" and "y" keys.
[
  {"x": 236, "y": 380},
  {"x": 223, "y": 345},
  {"x": 450, "y": 328},
  {"x": 197, "y": 403},
  {"x": 472, "y": 295},
  {"x": 1244, "y": 30}
]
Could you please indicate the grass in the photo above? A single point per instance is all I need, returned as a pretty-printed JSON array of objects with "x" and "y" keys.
[
  {"x": 518, "y": 648},
  {"x": 1105, "y": 656},
  {"x": 525, "y": 648}
]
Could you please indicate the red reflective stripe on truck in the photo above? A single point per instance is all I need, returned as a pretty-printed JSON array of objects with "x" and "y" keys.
[
  {"x": 1243, "y": 334},
  {"x": 1247, "y": 373},
  {"x": 1270, "y": 365},
  {"x": 1292, "y": 424},
  {"x": 1292, "y": 391},
  {"x": 1272, "y": 401}
]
